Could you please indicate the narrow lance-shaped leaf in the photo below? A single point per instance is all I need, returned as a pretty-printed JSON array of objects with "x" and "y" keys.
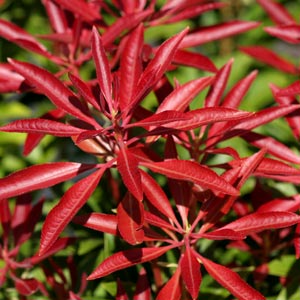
[
  {"x": 291, "y": 204},
  {"x": 291, "y": 90},
  {"x": 39, "y": 177},
  {"x": 53, "y": 88},
  {"x": 287, "y": 33},
  {"x": 102, "y": 68},
  {"x": 43, "y": 126},
  {"x": 277, "y": 12},
  {"x": 271, "y": 58},
  {"x": 65, "y": 210},
  {"x": 143, "y": 289},
  {"x": 260, "y": 221},
  {"x": 130, "y": 215},
  {"x": 231, "y": 281},
  {"x": 182, "y": 96},
  {"x": 190, "y": 272},
  {"x": 172, "y": 289},
  {"x": 128, "y": 258},
  {"x": 220, "y": 234},
  {"x": 194, "y": 172},
  {"x": 131, "y": 65},
  {"x": 56, "y": 16},
  {"x": 121, "y": 293},
  {"x": 216, "y": 32}
]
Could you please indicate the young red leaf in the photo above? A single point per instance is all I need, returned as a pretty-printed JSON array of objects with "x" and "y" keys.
[
  {"x": 143, "y": 290},
  {"x": 43, "y": 126},
  {"x": 216, "y": 32},
  {"x": 194, "y": 172},
  {"x": 172, "y": 289},
  {"x": 231, "y": 281},
  {"x": 10, "y": 81},
  {"x": 155, "y": 220},
  {"x": 121, "y": 293},
  {"x": 102, "y": 68},
  {"x": 81, "y": 9},
  {"x": 260, "y": 221},
  {"x": 26, "y": 287},
  {"x": 65, "y": 210},
  {"x": 190, "y": 272},
  {"x": 98, "y": 221},
  {"x": 277, "y": 12},
  {"x": 271, "y": 58},
  {"x": 182, "y": 96},
  {"x": 288, "y": 33},
  {"x": 291, "y": 204},
  {"x": 156, "y": 196},
  {"x": 127, "y": 165},
  {"x": 128, "y": 258},
  {"x": 218, "y": 86},
  {"x": 53, "y": 88},
  {"x": 291, "y": 90},
  {"x": 194, "y": 59},
  {"x": 221, "y": 234},
  {"x": 131, "y": 65},
  {"x": 158, "y": 65},
  {"x": 130, "y": 216},
  {"x": 39, "y": 177},
  {"x": 56, "y": 16},
  {"x": 5, "y": 220}
]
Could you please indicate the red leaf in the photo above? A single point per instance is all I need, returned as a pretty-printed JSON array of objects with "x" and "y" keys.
[
  {"x": 128, "y": 258},
  {"x": 98, "y": 221},
  {"x": 121, "y": 293},
  {"x": 218, "y": 86},
  {"x": 143, "y": 290},
  {"x": 68, "y": 206},
  {"x": 288, "y": 33},
  {"x": 221, "y": 234},
  {"x": 190, "y": 272},
  {"x": 131, "y": 65},
  {"x": 194, "y": 59},
  {"x": 26, "y": 287},
  {"x": 39, "y": 177},
  {"x": 158, "y": 66},
  {"x": 291, "y": 204},
  {"x": 231, "y": 281},
  {"x": 130, "y": 216},
  {"x": 271, "y": 58},
  {"x": 156, "y": 196},
  {"x": 277, "y": 12},
  {"x": 10, "y": 81},
  {"x": 183, "y": 95},
  {"x": 291, "y": 90},
  {"x": 155, "y": 220},
  {"x": 53, "y": 88},
  {"x": 56, "y": 16},
  {"x": 194, "y": 172},
  {"x": 260, "y": 221},
  {"x": 41, "y": 126},
  {"x": 102, "y": 68},
  {"x": 216, "y": 32},
  {"x": 81, "y": 9},
  {"x": 127, "y": 165},
  {"x": 172, "y": 289}
]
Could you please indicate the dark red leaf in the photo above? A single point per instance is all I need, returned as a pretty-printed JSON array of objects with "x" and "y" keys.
[
  {"x": 260, "y": 221},
  {"x": 216, "y": 32},
  {"x": 127, "y": 165},
  {"x": 64, "y": 211},
  {"x": 130, "y": 216},
  {"x": 143, "y": 290},
  {"x": 277, "y": 12},
  {"x": 43, "y": 126},
  {"x": 190, "y": 272},
  {"x": 231, "y": 281},
  {"x": 128, "y": 258},
  {"x": 194, "y": 172},
  {"x": 26, "y": 287},
  {"x": 39, "y": 177},
  {"x": 271, "y": 58},
  {"x": 172, "y": 289},
  {"x": 121, "y": 293}
]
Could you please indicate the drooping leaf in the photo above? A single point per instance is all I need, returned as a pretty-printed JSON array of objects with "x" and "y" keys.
[
  {"x": 277, "y": 12},
  {"x": 127, "y": 165},
  {"x": 130, "y": 216},
  {"x": 128, "y": 258},
  {"x": 43, "y": 126},
  {"x": 53, "y": 88},
  {"x": 269, "y": 57},
  {"x": 39, "y": 177},
  {"x": 65, "y": 210},
  {"x": 260, "y": 221},
  {"x": 194, "y": 172},
  {"x": 190, "y": 272},
  {"x": 231, "y": 281},
  {"x": 216, "y": 32},
  {"x": 172, "y": 289},
  {"x": 131, "y": 65}
]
